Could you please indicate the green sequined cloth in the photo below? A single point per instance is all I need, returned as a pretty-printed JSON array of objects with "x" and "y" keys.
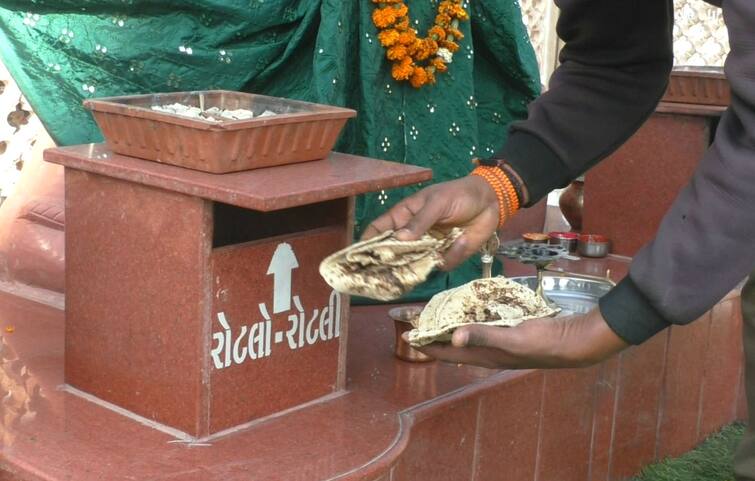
[{"x": 63, "y": 51}]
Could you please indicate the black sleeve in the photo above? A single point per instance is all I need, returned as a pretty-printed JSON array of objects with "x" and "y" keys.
[
  {"x": 614, "y": 69},
  {"x": 705, "y": 244}
]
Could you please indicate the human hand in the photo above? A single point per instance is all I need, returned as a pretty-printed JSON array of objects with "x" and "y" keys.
[
  {"x": 469, "y": 203},
  {"x": 575, "y": 341}
]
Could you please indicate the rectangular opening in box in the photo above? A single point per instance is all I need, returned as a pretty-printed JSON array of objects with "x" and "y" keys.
[{"x": 234, "y": 225}]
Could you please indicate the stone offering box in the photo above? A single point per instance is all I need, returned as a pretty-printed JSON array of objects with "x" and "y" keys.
[{"x": 194, "y": 300}]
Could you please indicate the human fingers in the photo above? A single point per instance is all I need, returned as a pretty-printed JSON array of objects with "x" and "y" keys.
[
  {"x": 479, "y": 335},
  {"x": 424, "y": 218},
  {"x": 476, "y": 356},
  {"x": 397, "y": 217},
  {"x": 474, "y": 237}
]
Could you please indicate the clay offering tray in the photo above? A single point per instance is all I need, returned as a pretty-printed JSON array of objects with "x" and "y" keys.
[
  {"x": 698, "y": 85},
  {"x": 218, "y": 131}
]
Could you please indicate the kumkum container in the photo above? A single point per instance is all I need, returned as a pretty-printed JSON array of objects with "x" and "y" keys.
[
  {"x": 568, "y": 240},
  {"x": 593, "y": 245},
  {"x": 535, "y": 238}
]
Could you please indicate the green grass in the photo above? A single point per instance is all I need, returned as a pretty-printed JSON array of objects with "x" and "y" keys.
[{"x": 711, "y": 461}]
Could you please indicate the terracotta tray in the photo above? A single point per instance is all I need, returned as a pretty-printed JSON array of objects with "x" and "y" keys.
[
  {"x": 300, "y": 131},
  {"x": 698, "y": 85}
]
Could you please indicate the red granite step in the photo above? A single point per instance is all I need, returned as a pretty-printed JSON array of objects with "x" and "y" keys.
[{"x": 397, "y": 421}]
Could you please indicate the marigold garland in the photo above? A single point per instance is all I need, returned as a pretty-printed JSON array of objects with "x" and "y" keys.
[{"x": 417, "y": 60}]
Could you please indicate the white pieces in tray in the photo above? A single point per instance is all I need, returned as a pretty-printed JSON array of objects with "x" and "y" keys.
[{"x": 213, "y": 114}]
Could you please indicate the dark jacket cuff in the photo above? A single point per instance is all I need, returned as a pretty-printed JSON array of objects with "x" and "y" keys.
[
  {"x": 629, "y": 313},
  {"x": 539, "y": 167}
]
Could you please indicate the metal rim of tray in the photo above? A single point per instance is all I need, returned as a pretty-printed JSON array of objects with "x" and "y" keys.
[{"x": 574, "y": 295}]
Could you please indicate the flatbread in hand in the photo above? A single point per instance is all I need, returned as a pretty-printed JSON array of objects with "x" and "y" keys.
[
  {"x": 496, "y": 301},
  {"x": 385, "y": 268}
]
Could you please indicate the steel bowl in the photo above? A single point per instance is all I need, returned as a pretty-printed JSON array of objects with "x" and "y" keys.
[
  {"x": 402, "y": 320},
  {"x": 573, "y": 294},
  {"x": 592, "y": 245}
]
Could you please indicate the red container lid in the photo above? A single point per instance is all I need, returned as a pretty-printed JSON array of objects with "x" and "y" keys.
[
  {"x": 534, "y": 236},
  {"x": 593, "y": 238},
  {"x": 564, "y": 235}
]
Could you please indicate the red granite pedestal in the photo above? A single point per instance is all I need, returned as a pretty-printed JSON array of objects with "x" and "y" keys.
[{"x": 193, "y": 299}]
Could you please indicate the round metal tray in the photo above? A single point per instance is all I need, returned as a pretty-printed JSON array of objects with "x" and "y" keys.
[{"x": 572, "y": 294}]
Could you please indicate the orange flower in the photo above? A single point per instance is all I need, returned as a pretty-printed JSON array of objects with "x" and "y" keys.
[
  {"x": 439, "y": 64},
  {"x": 445, "y": 7},
  {"x": 397, "y": 52},
  {"x": 425, "y": 48},
  {"x": 457, "y": 11},
  {"x": 403, "y": 24},
  {"x": 422, "y": 53},
  {"x": 437, "y": 33},
  {"x": 384, "y": 17},
  {"x": 453, "y": 10},
  {"x": 456, "y": 33},
  {"x": 403, "y": 70},
  {"x": 402, "y": 10},
  {"x": 413, "y": 47},
  {"x": 430, "y": 71},
  {"x": 453, "y": 47},
  {"x": 408, "y": 37},
  {"x": 419, "y": 77},
  {"x": 442, "y": 19},
  {"x": 405, "y": 50},
  {"x": 388, "y": 37}
]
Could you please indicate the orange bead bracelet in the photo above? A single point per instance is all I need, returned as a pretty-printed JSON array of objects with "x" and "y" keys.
[{"x": 508, "y": 200}]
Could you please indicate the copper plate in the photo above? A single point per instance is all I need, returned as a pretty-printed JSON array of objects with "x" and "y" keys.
[
  {"x": 300, "y": 131},
  {"x": 698, "y": 85}
]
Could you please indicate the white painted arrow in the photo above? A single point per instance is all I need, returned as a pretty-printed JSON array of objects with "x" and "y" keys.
[{"x": 283, "y": 262}]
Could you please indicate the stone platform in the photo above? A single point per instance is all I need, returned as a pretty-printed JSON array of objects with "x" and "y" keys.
[{"x": 396, "y": 421}]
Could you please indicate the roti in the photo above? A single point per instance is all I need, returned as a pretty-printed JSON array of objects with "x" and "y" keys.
[
  {"x": 496, "y": 302},
  {"x": 384, "y": 268}
]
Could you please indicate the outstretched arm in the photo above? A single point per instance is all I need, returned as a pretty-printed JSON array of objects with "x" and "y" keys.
[
  {"x": 704, "y": 246},
  {"x": 614, "y": 69}
]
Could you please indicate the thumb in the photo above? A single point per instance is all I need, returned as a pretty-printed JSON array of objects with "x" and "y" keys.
[{"x": 476, "y": 335}]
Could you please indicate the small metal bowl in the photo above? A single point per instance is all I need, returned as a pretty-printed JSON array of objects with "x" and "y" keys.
[
  {"x": 535, "y": 238},
  {"x": 573, "y": 293},
  {"x": 593, "y": 245},
  {"x": 568, "y": 240},
  {"x": 402, "y": 319}
]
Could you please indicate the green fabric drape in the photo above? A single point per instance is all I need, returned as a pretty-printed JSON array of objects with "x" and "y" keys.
[{"x": 63, "y": 51}]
